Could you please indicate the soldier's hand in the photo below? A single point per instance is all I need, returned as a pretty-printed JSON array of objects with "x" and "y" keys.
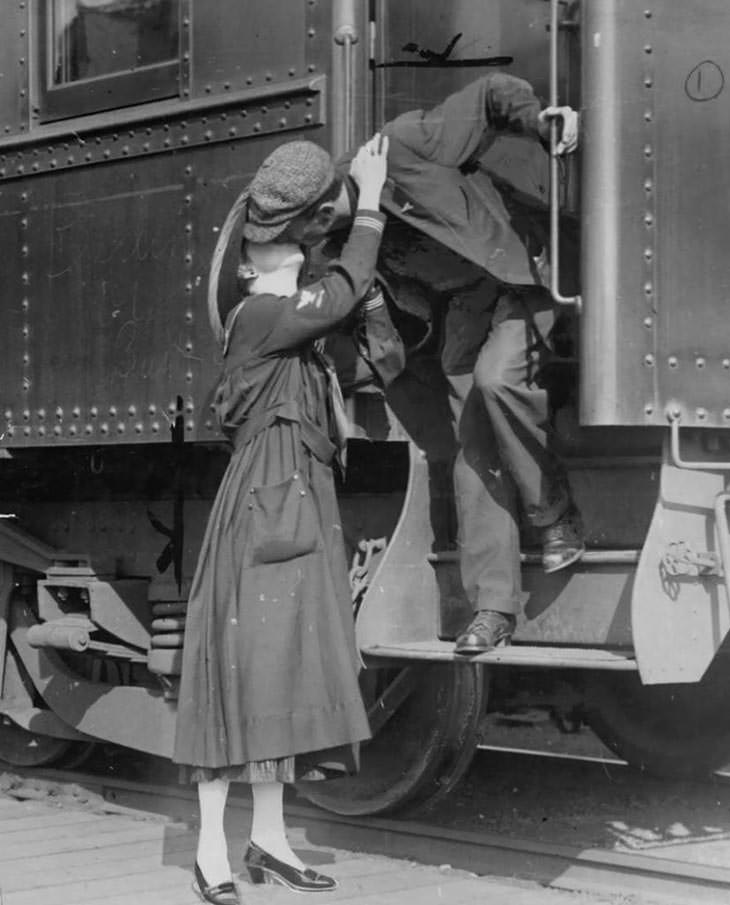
[{"x": 567, "y": 119}]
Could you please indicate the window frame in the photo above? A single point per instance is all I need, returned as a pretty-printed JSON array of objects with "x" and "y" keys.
[{"x": 126, "y": 88}]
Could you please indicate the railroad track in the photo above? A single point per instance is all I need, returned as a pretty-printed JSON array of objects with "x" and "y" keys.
[{"x": 647, "y": 878}]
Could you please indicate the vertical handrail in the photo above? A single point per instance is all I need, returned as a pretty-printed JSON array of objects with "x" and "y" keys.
[
  {"x": 345, "y": 36},
  {"x": 574, "y": 300},
  {"x": 723, "y": 536}
]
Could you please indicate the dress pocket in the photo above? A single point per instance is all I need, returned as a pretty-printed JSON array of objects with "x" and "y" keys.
[{"x": 285, "y": 523}]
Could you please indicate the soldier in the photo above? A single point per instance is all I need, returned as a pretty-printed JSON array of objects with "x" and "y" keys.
[{"x": 456, "y": 239}]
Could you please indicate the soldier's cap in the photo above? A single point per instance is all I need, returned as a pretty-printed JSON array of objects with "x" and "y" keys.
[{"x": 293, "y": 178}]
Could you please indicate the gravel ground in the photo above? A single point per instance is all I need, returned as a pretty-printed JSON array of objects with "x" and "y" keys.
[{"x": 587, "y": 804}]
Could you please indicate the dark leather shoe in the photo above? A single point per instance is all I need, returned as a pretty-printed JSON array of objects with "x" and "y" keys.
[
  {"x": 562, "y": 542},
  {"x": 488, "y": 629},
  {"x": 222, "y": 894},
  {"x": 265, "y": 868}
]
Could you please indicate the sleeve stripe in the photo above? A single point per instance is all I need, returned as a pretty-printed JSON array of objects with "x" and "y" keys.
[
  {"x": 377, "y": 301},
  {"x": 369, "y": 222}
]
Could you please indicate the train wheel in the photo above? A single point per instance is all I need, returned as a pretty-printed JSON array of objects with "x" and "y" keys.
[
  {"x": 21, "y": 748},
  {"x": 671, "y": 731},
  {"x": 426, "y": 727}
]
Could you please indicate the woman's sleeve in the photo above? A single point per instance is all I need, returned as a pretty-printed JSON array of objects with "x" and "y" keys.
[
  {"x": 451, "y": 133},
  {"x": 318, "y": 307}
]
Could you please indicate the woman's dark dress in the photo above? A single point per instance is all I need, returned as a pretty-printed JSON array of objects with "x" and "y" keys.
[{"x": 270, "y": 663}]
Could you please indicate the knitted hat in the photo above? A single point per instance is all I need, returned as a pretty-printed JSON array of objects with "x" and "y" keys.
[{"x": 291, "y": 179}]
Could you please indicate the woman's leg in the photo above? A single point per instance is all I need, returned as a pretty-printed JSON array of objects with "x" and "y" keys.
[
  {"x": 212, "y": 853},
  {"x": 267, "y": 827}
]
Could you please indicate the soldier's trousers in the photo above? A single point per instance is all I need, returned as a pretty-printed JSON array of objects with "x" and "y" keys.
[{"x": 505, "y": 469}]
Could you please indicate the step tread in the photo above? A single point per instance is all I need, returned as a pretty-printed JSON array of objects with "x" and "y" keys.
[
  {"x": 593, "y": 557},
  {"x": 517, "y": 654}
]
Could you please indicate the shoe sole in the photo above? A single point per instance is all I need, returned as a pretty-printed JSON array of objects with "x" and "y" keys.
[
  {"x": 199, "y": 893},
  {"x": 272, "y": 878},
  {"x": 568, "y": 562},
  {"x": 473, "y": 651}
]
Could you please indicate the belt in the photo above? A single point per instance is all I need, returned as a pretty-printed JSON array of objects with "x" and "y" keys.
[{"x": 313, "y": 437}]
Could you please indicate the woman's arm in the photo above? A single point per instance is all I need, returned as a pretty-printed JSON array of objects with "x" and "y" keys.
[{"x": 318, "y": 307}]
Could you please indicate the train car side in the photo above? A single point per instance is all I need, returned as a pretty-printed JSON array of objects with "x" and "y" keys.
[{"x": 129, "y": 129}]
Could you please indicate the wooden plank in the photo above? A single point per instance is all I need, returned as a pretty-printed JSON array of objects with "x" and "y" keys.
[
  {"x": 175, "y": 895},
  {"x": 48, "y": 819},
  {"x": 99, "y": 841},
  {"x": 175, "y": 852},
  {"x": 10, "y": 806},
  {"x": 472, "y": 889},
  {"x": 97, "y": 891},
  {"x": 102, "y": 825},
  {"x": 18, "y": 877},
  {"x": 181, "y": 895}
]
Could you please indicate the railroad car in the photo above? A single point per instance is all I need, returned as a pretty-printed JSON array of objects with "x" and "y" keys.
[{"x": 127, "y": 130}]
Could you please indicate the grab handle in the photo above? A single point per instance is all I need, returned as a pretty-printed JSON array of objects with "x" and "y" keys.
[
  {"x": 574, "y": 300},
  {"x": 343, "y": 94},
  {"x": 676, "y": 452},
  {"x": 723, "y": 536}
]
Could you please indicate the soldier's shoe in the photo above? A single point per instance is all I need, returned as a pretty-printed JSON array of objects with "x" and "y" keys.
[
  {"x": 488, "y": 629},
  {"x": 563, "y": 542}
]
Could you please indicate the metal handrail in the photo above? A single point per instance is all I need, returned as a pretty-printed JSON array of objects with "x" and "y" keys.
[
  {"x": 676, "y": 453},
  {"x": 723, "y": 536},
  {"x": 573, "y": 300},
  {"x": 345, "y": 36}
]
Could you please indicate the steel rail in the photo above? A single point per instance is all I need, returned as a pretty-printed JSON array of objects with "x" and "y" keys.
[{"x": 552, "y": 865}]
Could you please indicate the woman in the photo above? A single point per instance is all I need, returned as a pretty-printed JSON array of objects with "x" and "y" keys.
[{"x": 269, "y": 689}]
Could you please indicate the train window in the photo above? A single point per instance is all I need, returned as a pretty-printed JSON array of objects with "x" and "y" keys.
[{"x": 103, "y": 54}]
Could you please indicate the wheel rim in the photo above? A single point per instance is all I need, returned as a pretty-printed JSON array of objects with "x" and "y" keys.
[
  {"x": 668, "y": 730},
  {"x": 421, "y": 751},
  {"x": 21, "y": 748}
]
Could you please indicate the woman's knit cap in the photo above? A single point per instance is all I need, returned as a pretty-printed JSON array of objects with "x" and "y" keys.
[{"x": 291, "y": 179}]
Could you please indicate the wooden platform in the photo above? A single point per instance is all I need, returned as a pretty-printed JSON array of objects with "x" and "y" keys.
[{"x": 59, "y": 854}]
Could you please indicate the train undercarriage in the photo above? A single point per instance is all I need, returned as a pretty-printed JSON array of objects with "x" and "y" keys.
[{"x": 114, "y": 183}]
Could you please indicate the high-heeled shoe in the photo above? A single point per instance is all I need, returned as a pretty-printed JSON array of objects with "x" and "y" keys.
[
  {"x": 223, "y": 894},
  {"x": 265, "y": 868}
]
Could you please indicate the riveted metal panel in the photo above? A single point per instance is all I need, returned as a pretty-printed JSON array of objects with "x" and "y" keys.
[
  {"x": 656, "y": 271},
  {"x": 13, "y": 298},
  {"x": 105, "y": 332},
  {"x": 160, "y": 128},
  {"x": 470, "y": 37},
  {"x": 14, "y": 68},
  {"x": 109, "y": 233},
  {"x": 250, "y": 45}
]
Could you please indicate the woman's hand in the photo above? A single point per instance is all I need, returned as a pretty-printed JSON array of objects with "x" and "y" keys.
[{"x": 369, "y": 169}]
